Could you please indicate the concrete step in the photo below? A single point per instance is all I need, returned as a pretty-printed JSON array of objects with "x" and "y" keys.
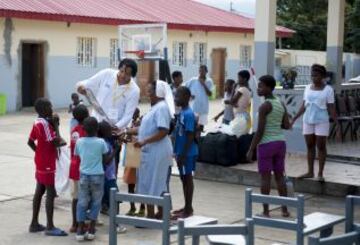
[
  {"x": 340, "y": 179},
  {"x": 344, "y": 159}
]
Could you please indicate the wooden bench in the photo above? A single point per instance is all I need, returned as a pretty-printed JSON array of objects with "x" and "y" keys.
[
  {"x": 232, "y": 232},
  {"x": 303, "y": 225},
  {"x": 164, "y": 225}
]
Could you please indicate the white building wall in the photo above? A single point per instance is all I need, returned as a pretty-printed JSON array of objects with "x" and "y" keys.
[{"x": 62, "y": 71}]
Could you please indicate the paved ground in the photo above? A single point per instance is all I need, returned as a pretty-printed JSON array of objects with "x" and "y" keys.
[{"x": 223, "y": 201}]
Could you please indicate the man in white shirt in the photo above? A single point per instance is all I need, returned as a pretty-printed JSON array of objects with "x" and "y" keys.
[
  {"x": 116, "y": 91},
  {"x": 201, "y": 88}
]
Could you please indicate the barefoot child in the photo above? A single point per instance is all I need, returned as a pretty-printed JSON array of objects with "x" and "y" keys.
[
  {"x": 44, "y": 134},
  {"x": 92, "y": 152},
  {"x": 177, "y": 81},
  {"x": 129, "y": 176},
  {"x": 79, "y": 113},
  {"x": 185, "y": 149},
  {"x": 269, "y": 140},
  {"x": 75, "y": 102},
  {"x": 228, "y": 111}
]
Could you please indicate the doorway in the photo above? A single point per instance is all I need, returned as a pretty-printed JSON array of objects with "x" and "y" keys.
[
  {"x": 33, "y": 82},
  {"x": 218, "y": 59},
  {"x": 145, "y": 75}
]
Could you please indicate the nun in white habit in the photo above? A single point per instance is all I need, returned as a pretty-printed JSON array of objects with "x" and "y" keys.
[{"x": 155, "y": 143}]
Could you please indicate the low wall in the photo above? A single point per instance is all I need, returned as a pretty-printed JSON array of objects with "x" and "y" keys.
[{"x": 293, "y": 100}]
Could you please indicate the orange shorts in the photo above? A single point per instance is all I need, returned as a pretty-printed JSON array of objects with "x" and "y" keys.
[{"x": 129, "y": 176}]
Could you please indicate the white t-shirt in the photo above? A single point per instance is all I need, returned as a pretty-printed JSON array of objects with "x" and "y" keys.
[
  {"x": 244, "y": 101},
  {"x": 319, "y": 97},
  {"x": 118, "y": 101}
]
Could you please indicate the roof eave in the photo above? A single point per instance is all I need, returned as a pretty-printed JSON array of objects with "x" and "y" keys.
[{"x": 109, "y": 21}]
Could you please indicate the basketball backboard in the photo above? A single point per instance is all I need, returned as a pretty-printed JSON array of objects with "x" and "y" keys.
[{"x": 143, "y": 41}]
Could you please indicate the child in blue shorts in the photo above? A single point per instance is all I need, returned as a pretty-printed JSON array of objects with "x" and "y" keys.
[{"x": 185, "y": 149}]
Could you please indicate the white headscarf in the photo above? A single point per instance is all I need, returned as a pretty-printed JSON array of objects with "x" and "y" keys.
[{"x": 163, "y": 90}]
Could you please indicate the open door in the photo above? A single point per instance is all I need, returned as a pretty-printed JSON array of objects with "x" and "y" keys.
[
  {"x": 218, "y": 57},
  {"x": 146, "y": 74},
  {"x": 33, "y": 81}
]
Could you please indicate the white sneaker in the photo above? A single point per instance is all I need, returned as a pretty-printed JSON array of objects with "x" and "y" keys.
[
  {"x": 121, "y": 229},
  {"x": 90, "y": 236},
  {"x": 80, "y": 237}
]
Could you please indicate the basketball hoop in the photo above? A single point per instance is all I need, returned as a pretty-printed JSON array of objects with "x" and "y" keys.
[{"x": 139, "y": 53}]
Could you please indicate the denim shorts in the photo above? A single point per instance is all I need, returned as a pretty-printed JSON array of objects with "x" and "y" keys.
[{"x": 91, "y": 190}]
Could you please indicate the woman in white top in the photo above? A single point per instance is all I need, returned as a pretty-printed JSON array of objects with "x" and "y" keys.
[
  {"x": 317, "y": 107},
  {"x": 241, "y": 101}
]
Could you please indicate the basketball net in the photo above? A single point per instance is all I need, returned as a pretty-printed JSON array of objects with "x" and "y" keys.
[{"x": 139, "y": 53}]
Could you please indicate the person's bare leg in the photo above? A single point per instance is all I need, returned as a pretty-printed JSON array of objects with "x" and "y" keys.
[
  {"x": 311, "y": 152},
  {"x": 322, "y": 152},
  {"x": 50, "y": 197},
  {"x": 281, "y": 186},
  {"x": 131, "y": 189},
  {"x": 150, "y": 211},
  {"x": 39, "y": 192},
  {"x": 189, "y": 192},
  {"x": 73, "y": 210},
  {"x": 265, "y": 190}
]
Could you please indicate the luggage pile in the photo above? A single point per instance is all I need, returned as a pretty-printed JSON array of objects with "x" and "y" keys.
[{"x": 222, "y": 149}]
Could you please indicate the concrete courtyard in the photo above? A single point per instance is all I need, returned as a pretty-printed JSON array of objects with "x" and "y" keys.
[{"x": 213, "y": 199}]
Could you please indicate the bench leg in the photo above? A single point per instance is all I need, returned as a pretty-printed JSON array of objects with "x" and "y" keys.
[
  {"x": 326, "y": 233},
  {"x": 195, "y": 240}
]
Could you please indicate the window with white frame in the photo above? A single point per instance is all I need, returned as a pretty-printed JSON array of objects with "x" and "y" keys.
[
  {"x": 86, "y": 51},
  {"x": 245, "y": 56},
  {"x": 114, "y": 44},
  {"x": 200, "y": 53},
  {"x": 179, "y": 54}
]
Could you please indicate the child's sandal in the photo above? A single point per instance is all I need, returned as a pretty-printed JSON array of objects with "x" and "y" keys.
[
  {"x": 131, "y": 212},
  {"x": 141, "y": 213}
]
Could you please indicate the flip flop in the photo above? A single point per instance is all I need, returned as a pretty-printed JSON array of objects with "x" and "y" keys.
[
  {"x": 36, "y": 228},
  {"x": 306, "y": 176},
  {"x": 181, "y": 210},
  {"x": 131, "y": 213},
  {"x": 55, "y": 232},
  {"x": 141, "y": 213}
]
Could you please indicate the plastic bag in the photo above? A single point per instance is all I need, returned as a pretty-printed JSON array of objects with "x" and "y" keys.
[
  {"x": 239, "y": 125},
  {"x": 62, "y": 182},
  {"x": 130, "y": 156}
]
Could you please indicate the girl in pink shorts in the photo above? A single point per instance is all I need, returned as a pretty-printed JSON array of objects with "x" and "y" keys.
[
  {"x": 269, "y": 140},
  {"x": 318, "y": 106}
]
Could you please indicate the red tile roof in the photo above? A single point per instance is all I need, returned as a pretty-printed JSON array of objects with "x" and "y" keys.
[{"x": 178, "y": 14}]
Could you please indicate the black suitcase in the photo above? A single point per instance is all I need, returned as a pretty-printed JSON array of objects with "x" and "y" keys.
[
  {"x": 219, "y": 149},
  {"x": 226, "y": 151},
  {"x": 207, "y": 149}
]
